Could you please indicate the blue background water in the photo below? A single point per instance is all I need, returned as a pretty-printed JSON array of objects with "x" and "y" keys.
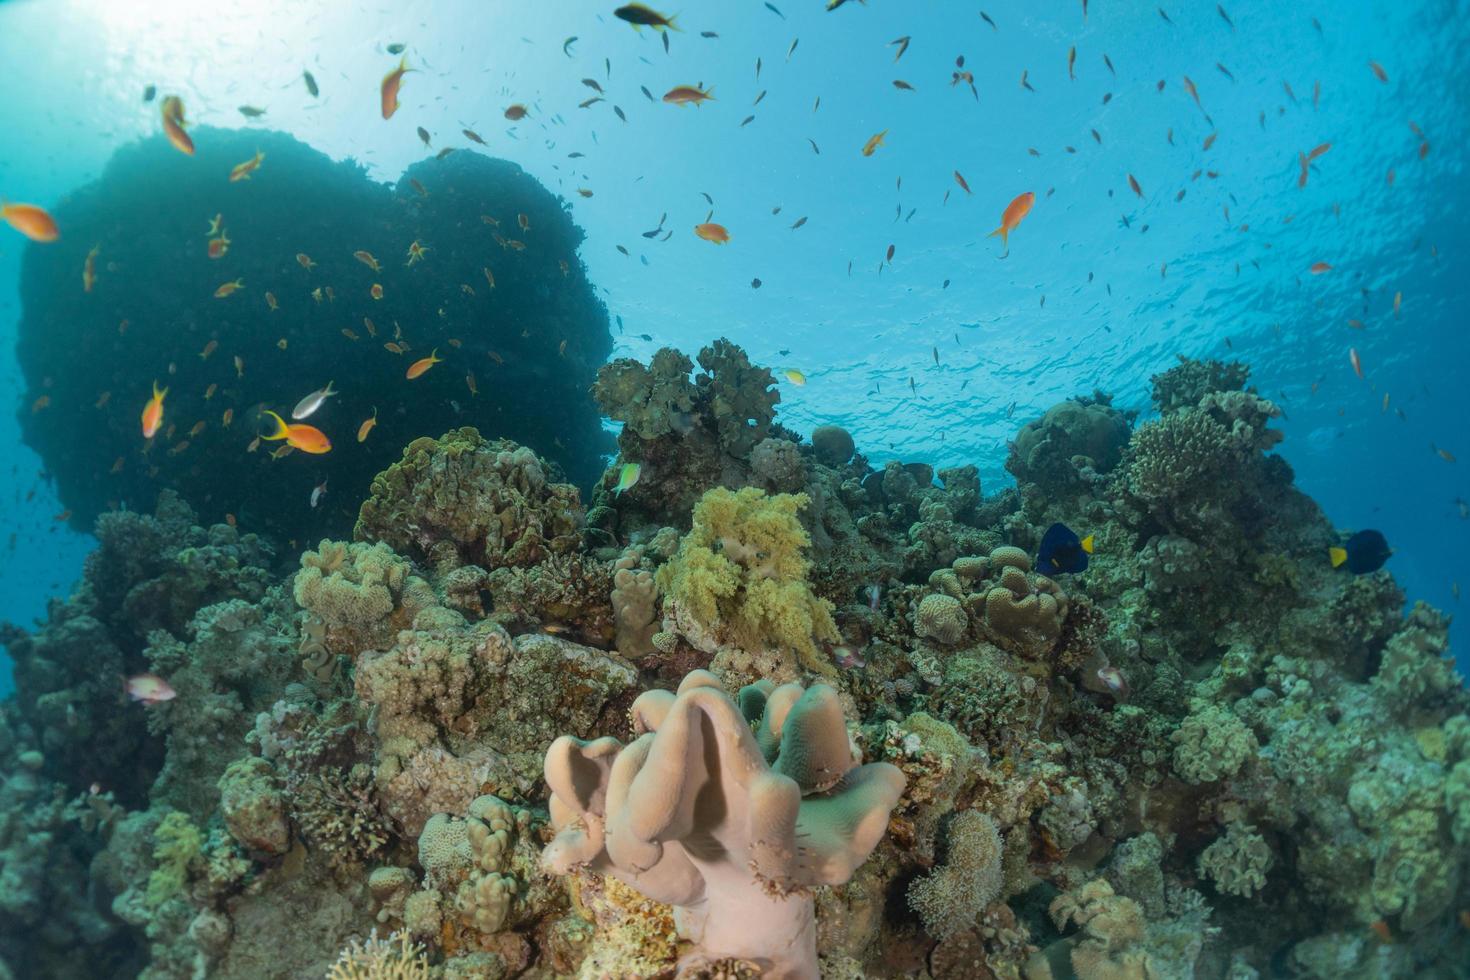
[{"x": 1085, "y": 299}]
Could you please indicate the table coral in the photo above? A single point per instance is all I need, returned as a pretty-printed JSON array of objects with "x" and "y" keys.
[
  {"x": 739, "y": 580},
  {"x": 463, "y": 500},
  {"x": 699, "y": 772}
]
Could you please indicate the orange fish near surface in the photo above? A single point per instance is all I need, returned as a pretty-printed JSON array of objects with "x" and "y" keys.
[
  {"x": 242, "y": 171},
  {"x": 1356, "y": 362},
  {"x": 229, "y": 288},
  {"x": 1011, "y": 217},
  {"x": 874, "y": 141},
  {"x": 307, "y": 438},
  {"x": 1319, "y": 267},
  {"x": 89, "y": 270},
  {"x": 712, "y": 232},
  {"x": 173, "y": 125},
  {"x": 423, "y": 364},
  {"x": 219, "y": 246},
  {"x": 367, "y": 426},
  {"x": 30, "y": 221},
  {"x": 153, "y": 412},
  {"x": 391, "y": 83},
  {"x": 688, "y": 95}
]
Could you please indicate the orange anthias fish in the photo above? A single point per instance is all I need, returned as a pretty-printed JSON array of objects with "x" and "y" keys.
[
  {"x": 960, "y": 179},
  {"x": 366, "y": 258},
  {"x": 1378, "y": 71},
  {"x": 307, "y": 438},
  {"x": 270, "y": 300},
  {"x": 219, "y": 246},
  {"x": 1011, "y": 217},
  {"x": 874, "y": 141},
  {"x": 89, "y": 270},
  {"x": 712, "y": 232},
  {"x": 30, "y": 221},
  {"x": 229, "y": 288},
  {"x": 391, "y": 83},
  {"x": 153, "y": 412},
  {"x": 1133, "y": 183},
  {"x": 1356, "y": 362},
  {"x": 173, "y": 125},
  {"x": 423, "y": 364},
  {"x": 242, "y": 171},
  {"x": 304, "y": 260},
  {"x": 416, "y": 251},
  {"x": 688, "y": 94},
  {"x": 1319, "y": 267},
  {"x": 376, "y": 292},
  {"x": 367, "y": 426},
  {"x": 516, "y": 112}
]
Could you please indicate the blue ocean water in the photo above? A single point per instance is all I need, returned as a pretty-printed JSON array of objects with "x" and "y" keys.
[{"x": 941, "y": 353}]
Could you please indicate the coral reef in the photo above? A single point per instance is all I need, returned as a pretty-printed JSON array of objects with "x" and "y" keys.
[{"x": 1210, "y": 754}]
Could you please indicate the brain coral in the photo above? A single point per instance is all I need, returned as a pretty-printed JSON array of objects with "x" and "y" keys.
[
  {"x": 1044, "y": 449},
  {"x": 153, "y": 305},
  {"x": 941, "y": 617},
  {"x": 460, "y": 500}
]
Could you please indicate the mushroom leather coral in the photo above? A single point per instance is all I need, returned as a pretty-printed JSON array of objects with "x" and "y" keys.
[{"x": 732, "y": 825}]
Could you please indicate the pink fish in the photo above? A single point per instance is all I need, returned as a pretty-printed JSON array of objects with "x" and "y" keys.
[
  {"x": 150, "y": 689},
  {"x": 1112, "y": 678}
]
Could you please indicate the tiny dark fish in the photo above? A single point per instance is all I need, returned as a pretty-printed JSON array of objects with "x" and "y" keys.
[
  {"x": 473, "y": 136},
  {"x": 397, "y": 48},
  {"x": 666, "y": 51},
  {"x": 566, "y": 46},
  {"x": 575, "y": 155},
  {"x": 798, "y": 223},
  {"x": 251, "y": 112},
  {"x": 590, "y": 102},
  {"x": 1224, "y": 71},
  {"x": 1062, "y": 551},
  {"x": 1364, "y": 552},
  {"x": 986, "y": 17},
  {"x": 424, "y": 135},
  {"x": 623, "y": 250},
  {"x": 620, "y": 114},
  {"x": 1109, "y": 62},
  {"x": 1166, "y": 17},
  {"x": 902, "y": 85},
  {"x": 149, "y": 92},
  {"x": 648, "y": 93},
  {"x": 889, "y": 257},
  {"x": 708, "y": 34},
  {"x": 758, "y": 99},
  {"x": 755, "y": 284},
  {"x": 815, "y": 149},
  {"x": 310, "y": 81},
  {"x": 1224, "y": 16},
  {"x": 746, "y": 121},
  {"x": 705, "y": 195},
  {"x": 903, "y": 45},
  {"x": 773, "y": 9},
  {"x": 792, "y": 50},
  {"x": 757, "y": 69},
  {"x": 592, "y": 84}
]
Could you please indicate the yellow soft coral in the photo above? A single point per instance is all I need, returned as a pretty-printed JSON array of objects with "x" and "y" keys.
[{"x": 739, "y": 578}]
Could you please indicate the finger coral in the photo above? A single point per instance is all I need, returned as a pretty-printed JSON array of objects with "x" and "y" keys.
[{"x": 732, "y": 824}]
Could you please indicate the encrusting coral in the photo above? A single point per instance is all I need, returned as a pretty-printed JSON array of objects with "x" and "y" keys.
[{"x": 785, "y": 803}]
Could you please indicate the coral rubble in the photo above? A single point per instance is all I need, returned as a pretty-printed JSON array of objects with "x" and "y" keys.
[{"x": 491, "y": 737}]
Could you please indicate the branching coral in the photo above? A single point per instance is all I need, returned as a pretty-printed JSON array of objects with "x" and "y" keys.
[
  {"x": 730, "y": 825},
  {"x": 1183, "y": 385},
  {"x": 462, "y": 500},
  {"x": 396, "y": 957},
  {"x": 739, "y": 580}
]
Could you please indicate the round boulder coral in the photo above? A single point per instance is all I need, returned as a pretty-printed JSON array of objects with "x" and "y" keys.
[
  {"x": 833, "y": 445},
  {"x": 463, "y": 500}
]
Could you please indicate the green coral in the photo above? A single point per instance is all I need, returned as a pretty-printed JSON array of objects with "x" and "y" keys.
[
  {"x": 1237, "y": 861},
  {"x": 1212, "y": 744},
  {"x": 740, "y": 577},
  {"x": 462, "y": 500},
  {"x": 177, "y": 845}
]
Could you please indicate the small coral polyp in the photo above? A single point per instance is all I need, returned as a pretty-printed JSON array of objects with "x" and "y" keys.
[{"x": 771, "y": 783}]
